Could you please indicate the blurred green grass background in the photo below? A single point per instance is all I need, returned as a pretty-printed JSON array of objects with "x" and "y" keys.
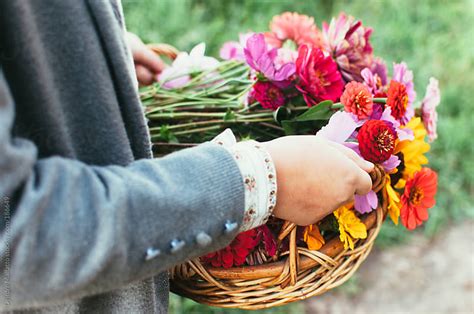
[{"x": 435, "y": 38}]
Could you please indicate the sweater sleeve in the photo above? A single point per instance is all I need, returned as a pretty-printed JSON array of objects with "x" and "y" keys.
[{"x": 69, "y": 230}]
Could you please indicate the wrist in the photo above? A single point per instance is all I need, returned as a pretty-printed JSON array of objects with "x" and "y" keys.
[{"x": 259, "y": 178}]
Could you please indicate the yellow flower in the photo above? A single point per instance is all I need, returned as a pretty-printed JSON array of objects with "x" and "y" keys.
[
  {"x": 393, "y": 199},
  {"x": 313, "y": 237},
  {"x": 413, "y": 151},
  {"x": 350, "y": 226}
]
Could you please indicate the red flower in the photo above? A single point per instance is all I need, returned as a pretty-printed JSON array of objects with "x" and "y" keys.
[
  {"x": 265, "y": 235},
  {"x": 319, "y": 78},
  {"x": 376, "y": 140},
  {"x": 357, "y": 99},
  {"x": 397, "y": 99},
  {"x": 235, "y": 253},
  {"x": 419, "y": 195},
  {"x": 268, "y": 95}
]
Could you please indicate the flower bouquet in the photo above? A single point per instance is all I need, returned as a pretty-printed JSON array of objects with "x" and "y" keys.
[{"x": 298, "y": 79}]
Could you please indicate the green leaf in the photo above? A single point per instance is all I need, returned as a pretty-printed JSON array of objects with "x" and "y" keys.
[
  {"x": 289, "y": 126},
  {"x": 229, "y": 115},
  {"x": 167, "y": 135},
  {"x": 292, "y": 127},
  {"x": 321, "y": 111}
]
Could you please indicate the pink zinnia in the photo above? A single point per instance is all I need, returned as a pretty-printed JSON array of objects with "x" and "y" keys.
[
  {"x": 357, "y": 99},
  {"x": 428, "y": 108},
  {"x": 319, "y": 78},
  {"x": 293, "y": 26},
  {"x": 348, "y": 42},
  {"x": 268, "y": 95}
]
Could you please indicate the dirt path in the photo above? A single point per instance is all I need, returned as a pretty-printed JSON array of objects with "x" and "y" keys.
[{"x": 424, "y": 276}]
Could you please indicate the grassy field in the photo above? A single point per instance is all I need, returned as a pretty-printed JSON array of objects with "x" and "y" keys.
[{"x": 435, "y": 38}]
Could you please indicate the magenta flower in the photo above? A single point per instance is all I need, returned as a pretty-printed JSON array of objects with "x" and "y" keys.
[
  {"x": 268, "y": 95},
  {"x": 262, "y": 60},
  {"x": 318, "y": 76},
  {"x": 428, "y": 108},
  {"x": 348, "y": 43}
]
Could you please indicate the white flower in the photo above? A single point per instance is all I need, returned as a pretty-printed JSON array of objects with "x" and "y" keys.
[{"x": 179, "y": 73}]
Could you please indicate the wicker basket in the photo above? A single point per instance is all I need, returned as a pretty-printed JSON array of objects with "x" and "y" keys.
[{"x": 295, "y": 274}]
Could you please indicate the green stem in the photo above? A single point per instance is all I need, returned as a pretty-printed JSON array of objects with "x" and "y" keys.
[
  {"x": 177, "y": 115},
  {"x": 380, "y": 100},
  {"x": 299, "y": 108},
  {"x": 272, "y": 126},
  {"x": 189, "y": 114},
  {"x": 337, "y": 106},
  {"x": 208, "y": 122},
  {"x": 193, "y": 105},
  {"x": 199, "y": 130}
]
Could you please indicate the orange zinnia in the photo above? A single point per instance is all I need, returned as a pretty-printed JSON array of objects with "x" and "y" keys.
[
  {"x": 397, "y": 99},
  {"x": 419, "y": 195},
  {"x": 357, "y": 99},
  {"x": 313, "y": 238}
]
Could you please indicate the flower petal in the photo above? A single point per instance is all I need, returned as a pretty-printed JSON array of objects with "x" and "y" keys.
[
  {"x": 198, "y": 51},
  {"x": 391, "y": 163},
  {"x": 339, "y": 128},
  {"x": 365, "y": 203}
]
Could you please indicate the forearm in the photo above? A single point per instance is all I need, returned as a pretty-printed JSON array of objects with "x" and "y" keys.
[{"x": 77, "y": 230}]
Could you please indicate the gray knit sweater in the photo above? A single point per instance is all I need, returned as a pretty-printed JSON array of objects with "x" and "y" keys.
[{"x": 88, "y": 222}]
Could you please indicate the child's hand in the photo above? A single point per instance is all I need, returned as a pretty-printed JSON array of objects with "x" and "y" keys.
[
  {"x": 315, "y": 177},
  {"x": 147, "y": 63}
]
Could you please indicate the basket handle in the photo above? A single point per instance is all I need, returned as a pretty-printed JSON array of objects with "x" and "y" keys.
[{"x": 164, "y": 50}]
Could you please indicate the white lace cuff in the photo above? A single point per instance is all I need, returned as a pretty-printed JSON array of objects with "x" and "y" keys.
[{"x": 259, "y": 175}]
